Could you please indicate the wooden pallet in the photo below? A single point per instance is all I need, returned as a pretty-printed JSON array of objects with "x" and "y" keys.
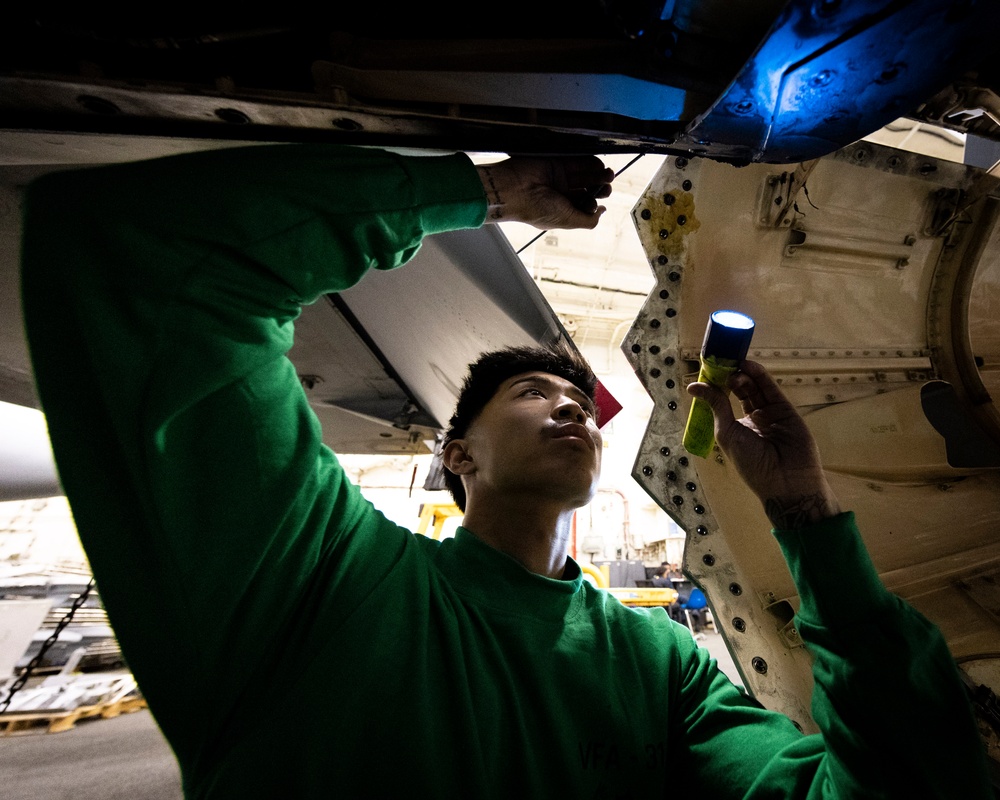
[{"x": 58, "y": 721}]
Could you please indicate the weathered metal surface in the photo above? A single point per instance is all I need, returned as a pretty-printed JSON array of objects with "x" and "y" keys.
[{"x": 859, "y": 286}]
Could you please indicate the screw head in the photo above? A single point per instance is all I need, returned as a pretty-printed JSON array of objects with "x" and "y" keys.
[
  {"x": 739, "y": 624},
  {"x": 760, "y": 665}
]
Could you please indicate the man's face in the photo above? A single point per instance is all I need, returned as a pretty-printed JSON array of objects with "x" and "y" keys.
[{"x": 536, "y": 436}]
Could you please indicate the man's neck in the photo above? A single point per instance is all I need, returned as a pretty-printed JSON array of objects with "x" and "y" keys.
[{"x": 534, "y": 535}]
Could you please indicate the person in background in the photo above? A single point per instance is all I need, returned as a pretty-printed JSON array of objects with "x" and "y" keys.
[{"x": 660, "y": 578}]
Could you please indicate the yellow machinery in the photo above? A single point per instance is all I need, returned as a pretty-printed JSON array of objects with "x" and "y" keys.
[
  {"x": 639, "y": 596},
  {"x": 644, "y": 596},
  {"x": 434, "y": 516}
]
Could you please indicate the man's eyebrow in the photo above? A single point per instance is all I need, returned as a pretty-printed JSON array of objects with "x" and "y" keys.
[{"x": 544, "y": 380}]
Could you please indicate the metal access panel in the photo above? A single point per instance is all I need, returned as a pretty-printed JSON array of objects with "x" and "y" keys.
[{"x": 873, "y": 275}]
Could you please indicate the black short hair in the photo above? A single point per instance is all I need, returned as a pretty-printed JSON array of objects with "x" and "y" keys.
[{"x": 491, "y": 369}]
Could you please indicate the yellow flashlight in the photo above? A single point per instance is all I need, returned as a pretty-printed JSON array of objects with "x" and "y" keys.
[{"x": 727, "y": 340}]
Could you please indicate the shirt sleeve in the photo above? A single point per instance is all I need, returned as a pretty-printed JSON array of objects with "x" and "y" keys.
[
  {"x": 894, "y": 718},
  {"x": 159, "y": 300}
]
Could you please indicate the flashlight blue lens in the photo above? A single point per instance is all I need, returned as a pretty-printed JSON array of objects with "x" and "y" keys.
[{"x": 732, "y": 319}]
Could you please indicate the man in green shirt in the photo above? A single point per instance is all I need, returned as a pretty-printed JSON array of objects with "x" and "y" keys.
[{"x": 293, "y": 642}]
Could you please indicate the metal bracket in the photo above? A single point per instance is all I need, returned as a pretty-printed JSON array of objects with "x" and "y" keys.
[{"x": 781, "y": 193}]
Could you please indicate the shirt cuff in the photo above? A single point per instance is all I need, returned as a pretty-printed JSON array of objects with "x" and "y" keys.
[{"x": 448, "y": 191}]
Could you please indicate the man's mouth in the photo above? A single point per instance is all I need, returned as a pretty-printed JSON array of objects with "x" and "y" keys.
[{"x": 573, "y": 430}]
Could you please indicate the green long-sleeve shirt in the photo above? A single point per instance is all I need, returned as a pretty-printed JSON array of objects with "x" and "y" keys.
[{"x": 290, "y": 640}]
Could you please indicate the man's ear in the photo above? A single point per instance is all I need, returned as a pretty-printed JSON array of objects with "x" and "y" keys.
[{"x": 457, "y": 459}]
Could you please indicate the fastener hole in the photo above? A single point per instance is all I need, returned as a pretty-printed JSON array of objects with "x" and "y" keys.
[
  {"x": 346, "y": 124},
  {"x": 98, "y": 105}
]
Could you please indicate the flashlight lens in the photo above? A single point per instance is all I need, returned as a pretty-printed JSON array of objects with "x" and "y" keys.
[{"x": 732, "y": 319}]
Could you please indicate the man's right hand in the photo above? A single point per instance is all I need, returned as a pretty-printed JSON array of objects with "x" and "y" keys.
[{"x": 548, "y": 193}]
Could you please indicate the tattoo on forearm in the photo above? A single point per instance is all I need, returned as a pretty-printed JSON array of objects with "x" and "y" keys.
[
  {"x": 493, "y": 199},
  {"x": 786, "y": 514}
]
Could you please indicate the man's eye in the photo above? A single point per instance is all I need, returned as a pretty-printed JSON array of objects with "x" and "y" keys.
[{"x": 533, "y": 391}]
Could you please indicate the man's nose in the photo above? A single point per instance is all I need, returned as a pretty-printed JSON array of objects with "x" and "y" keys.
[{"x": 568, "y": 408}]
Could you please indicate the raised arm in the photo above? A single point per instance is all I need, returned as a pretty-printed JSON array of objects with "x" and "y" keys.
[
  {"x": 894, "y": 716},
  {"x": 160, "y": 299}
]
